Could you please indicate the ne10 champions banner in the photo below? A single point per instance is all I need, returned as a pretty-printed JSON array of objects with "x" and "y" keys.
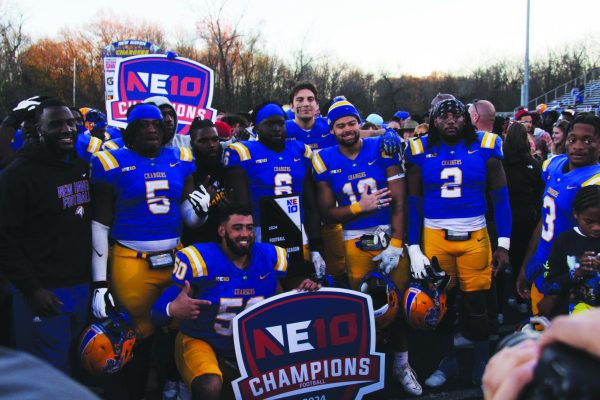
[
  {"x": 116, "y": 50},
  {"x": 186, "y": 83},
  {"x": 300, "y": 345}
]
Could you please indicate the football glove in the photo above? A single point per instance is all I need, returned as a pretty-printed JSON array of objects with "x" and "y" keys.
[
  {"x": 23, "y": 111},
  {"x": 200, "y": 200},
  {"x": 391, "y": 144},
  {"x": 418, "y": 262},
  {"x": 389, "y": 258},
  {"x": 100, "y": 299},
  {"x": 319, "y": 264}
]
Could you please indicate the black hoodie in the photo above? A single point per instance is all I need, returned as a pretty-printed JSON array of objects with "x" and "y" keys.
[{"x": 45, "y": 221}]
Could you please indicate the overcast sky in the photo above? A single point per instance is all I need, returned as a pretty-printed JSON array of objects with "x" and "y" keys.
[{"x": 393, "y": 36}]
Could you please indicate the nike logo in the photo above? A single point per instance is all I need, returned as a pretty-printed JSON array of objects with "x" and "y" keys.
[
  {"x": 83, "y": 174},
  {"x": 96, "y": 251},
  {"x": 173, "y": 164},
  {"x": 480, "y": 239},
  {"x": 325, "y": 135},
  {"x": 297, "y": 159},
  {"x": 372, "y": 162},
  {"x": 472, "y": 151},
  {"x": 264, "y": 276}
]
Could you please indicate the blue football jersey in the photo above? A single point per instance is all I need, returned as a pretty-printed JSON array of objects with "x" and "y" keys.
[
  {"x": 113, "y": 144},
  {"x": 317, "y": 138},
  {"x": 557, "y": 214},
  {"x": 351, "y": 178},
  {"x": 148, "y": 191},
  {"x": 454, "y": 177},
  {"x": 86, "y": 146},
  {"x": 230, "y": 289},
  {"x": 270, "y": 173}
]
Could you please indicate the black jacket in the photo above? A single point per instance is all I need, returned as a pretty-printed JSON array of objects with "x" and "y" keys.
[
  {"x": 45, "y": 221},
  {"x": 525, "y": 187}
]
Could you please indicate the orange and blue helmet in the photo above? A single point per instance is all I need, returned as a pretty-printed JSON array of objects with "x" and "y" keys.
[
  {"x": 107, "y": 345},
  {"x": 384, "y": 295},
  {"x": 424, "y": 301}
]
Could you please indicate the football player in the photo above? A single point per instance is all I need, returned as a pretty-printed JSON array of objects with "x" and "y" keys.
[
  {"x": 564, "y": 175},
  {"x": 274, "y": 166},
  {"x": 313, "y": 130},
  {"x": 141, "y": 194},
  {"x": 215, "y": 282},
  {"x": 357, "y": 183},
  {"x": 450, "y": 170}
]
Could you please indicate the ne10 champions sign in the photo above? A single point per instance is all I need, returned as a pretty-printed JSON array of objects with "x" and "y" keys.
[
  {"x": 186, "y": 83},
  {"x": 308, "y": 344}
]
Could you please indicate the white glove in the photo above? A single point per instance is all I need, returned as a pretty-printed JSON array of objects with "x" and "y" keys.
[
  {"x": 200, "y": 200},
  {"x": 389, "y": 258},
  {"x": 418, "y": 261},
  {"x": 99, "y": 302},
  {"x": 319, "y": 263}
]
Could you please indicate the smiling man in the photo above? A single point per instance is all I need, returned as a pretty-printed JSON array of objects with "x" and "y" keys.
[{"x": 46, "y": 238}]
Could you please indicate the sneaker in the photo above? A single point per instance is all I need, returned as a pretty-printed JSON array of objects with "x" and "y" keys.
[
  {"x": 461, "y": 342},
  {"x": 184, "y": 391},
  {"x": 170, "y": 391},
  {"x": 447, "y": 369},
  {"x": 408, "y": 379}
]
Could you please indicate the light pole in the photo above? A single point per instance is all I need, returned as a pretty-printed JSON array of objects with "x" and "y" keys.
[{"x": 525, "y": 87}]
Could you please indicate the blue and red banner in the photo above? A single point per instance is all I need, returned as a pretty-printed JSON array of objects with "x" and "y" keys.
[
  {"x": 186, "y": 83},
  {"x": 317, "y": 344}
]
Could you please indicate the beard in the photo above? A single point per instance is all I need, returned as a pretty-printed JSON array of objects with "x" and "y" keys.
[{"x": 237, "y": 250}]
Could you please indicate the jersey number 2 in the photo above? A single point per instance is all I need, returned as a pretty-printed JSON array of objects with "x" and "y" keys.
[{"x": 451, "y": 189}]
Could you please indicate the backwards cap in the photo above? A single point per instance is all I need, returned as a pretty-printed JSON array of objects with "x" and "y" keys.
[
  {"x": 454, "y": 106},
  {"x": 341, "y": 108}
]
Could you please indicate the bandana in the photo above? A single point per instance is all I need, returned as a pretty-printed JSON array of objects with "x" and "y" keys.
[{"x": 449, "y": 106}]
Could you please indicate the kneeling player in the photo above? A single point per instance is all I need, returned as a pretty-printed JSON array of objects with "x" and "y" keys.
[{"x": 219, "y": 280}]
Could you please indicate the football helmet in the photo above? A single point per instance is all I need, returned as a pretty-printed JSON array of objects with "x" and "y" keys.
[
  {"x": 424, "y": 301},
  {"x": 384, "y": 295},
  {"x": 107, "y": 345}
]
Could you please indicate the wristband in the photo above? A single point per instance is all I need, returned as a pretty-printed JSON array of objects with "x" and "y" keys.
[
  {"x": 167, "y": 309},
  {"x": 355, "y": 208},
  {"x": 396, "y": 242},
  {"x": 504, "y": 242},
  {"x": 99, "y": 284}
]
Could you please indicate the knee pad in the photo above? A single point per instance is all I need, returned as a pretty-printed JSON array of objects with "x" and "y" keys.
[{"x": 477, "y": 322}]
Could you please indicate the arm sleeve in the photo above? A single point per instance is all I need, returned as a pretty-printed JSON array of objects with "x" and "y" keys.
[
  {"x": 158, "y": 314},
  {"x": 556, "y": 270},
  {"x": 502, "y": 213},
  {"x": 415, "y": 218}
]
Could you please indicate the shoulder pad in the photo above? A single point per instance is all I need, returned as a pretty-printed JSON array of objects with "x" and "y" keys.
[
  {"x": 488, "y": 141},
  {"x": 416, "y": 146},
  {"x": 242, "y": 151},
  {"x": 94, "y": 145},
  {"x": 545, "y": 164},
  {"x": 107, "y": 160},
  {"x": 281, "y": 263},
  {"x": 594, "y": 180},
  {"x": 318, "y": 164},
  {"x": 185, "y": 154},
  {"x": 195, "y": 261}
]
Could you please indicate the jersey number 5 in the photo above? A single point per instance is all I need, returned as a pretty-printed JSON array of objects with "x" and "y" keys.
[{"x": 157, "y": 204}]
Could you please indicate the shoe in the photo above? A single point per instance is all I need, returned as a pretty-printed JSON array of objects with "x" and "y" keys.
[
  {"x": 461, "y": 342},
  {"x": 447, "y": 369},
  {"x": 184, "y": 391},
  {"x": 170, "y": 391},
  {"x": 408, "y": 379}
]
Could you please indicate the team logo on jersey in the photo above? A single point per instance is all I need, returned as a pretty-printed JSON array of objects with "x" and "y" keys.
[
  {"x": 186, "y": 83},
  {"x": 298, "y": 344},
  {"x": 80, "y": 211}
]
